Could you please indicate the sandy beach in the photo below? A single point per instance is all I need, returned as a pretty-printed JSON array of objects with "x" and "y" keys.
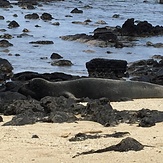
[{"x": 53, "y": 145}]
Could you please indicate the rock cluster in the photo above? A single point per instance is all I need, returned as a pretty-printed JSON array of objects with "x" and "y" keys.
[
  {"x": 118, "y": 37},
  {"x": 149, "y": 70},
  {"x": 143, "y": 28},
  {"x": 61, "y": 109}
]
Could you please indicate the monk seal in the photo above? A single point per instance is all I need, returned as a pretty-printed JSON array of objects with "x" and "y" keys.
[{"x": 93, "y": 88}]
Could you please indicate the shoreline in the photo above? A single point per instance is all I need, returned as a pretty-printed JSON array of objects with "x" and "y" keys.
[{"x": 17, "y": 144}]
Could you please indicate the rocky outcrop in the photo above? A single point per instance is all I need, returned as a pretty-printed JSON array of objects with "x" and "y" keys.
[
  {"x": 147, "y": 70},
  {"x": 56, "y": 76},
  {"x": 105, "y": 34},
  {"x": 143, "y": 28},
  {"x": 4, "y": 4},
  {"x": 44, "y": 42},
  {"x": 13, "y": 24},
  {"x": 5, "y": 43},
  {"x": 62, "y": 62},
  {"x": 5, "y": 70},
  {"x": 117, "y": 37},
  {"x": 61, "y": 109},
  {"x": 32, "y": 16},
  {"x": 56, "y": 56},
  {"x": 106, "y": 68},
  {"x": 46, "y": 16},
  {"x": 76, "y": 11}
]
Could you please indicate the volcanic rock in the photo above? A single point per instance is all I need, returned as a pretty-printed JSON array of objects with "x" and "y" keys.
[{"x": 106, "y": 68}]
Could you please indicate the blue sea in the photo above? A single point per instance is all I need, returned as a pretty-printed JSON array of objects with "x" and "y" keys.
[{"x": 29, "y": 55}]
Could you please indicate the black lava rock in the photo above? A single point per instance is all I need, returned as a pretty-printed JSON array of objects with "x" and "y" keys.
[{"x": 106, "y": 68}]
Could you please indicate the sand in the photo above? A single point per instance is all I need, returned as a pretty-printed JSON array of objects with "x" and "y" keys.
[{"x": 53, "y": 146}]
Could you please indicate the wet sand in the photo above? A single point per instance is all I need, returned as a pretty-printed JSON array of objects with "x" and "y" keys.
[{"x": 17, "y": 144}]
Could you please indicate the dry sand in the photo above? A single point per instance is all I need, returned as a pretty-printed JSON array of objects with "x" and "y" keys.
[{"x": 52, "y": 146}]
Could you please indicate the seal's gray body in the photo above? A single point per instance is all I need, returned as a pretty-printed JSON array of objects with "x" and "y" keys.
[{"x": 93, "y": 88}]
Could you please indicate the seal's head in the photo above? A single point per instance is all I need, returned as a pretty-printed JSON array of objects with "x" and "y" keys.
[{"x": 33, "y": 88}]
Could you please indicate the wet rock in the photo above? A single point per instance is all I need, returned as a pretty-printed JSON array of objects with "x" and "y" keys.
[
  {"x": 6, "y": 36},
  {"x": 104, "y": 34},
  {"x": 116, "y": 16},
  {"x": 30, "y": 7},
  {"x": 157, "y": 57},
  {"x": 119, "y": 45},
  {"x": 25, "y": 3},
  {"x": 88, "y": 20},
  {"x": 13, "y": 24},
  {"x": 4, "y": 4},
  {"x": 37, "y": 26},
  {"x": 118, "y": 37},
  {"x": 143, "y": 28},
  {"x": 5, "y": 70},
  {"x": 79, "y": 22},
  {"x": 81, "y": 37},
  {"x": 101, "y": 22},
  {"x": 88, "y": 7},
  {"x": 89, "y": 51},
  {"x": 42, "y": 42},
  {"x": 156, "y": 45},
  {"x": 149, "y": 70},
  {"x": 25, "y": 30},
  {"x": 25, "y": 76},
  {"x": 106, "y": 68},
  {"x": 24, "y": 34},
  {"x": 76, "y": 11},
  {"x": 68, "y": 16},
  {"x": 32, "y": 16},
  {"x": 43, "y": 58},
  {"x": 56, "y": 56},
  {"x": 5, "y": 43},
  {"x": 62, "y": 62},
  {"x": 56, "y": 76},
  {"x": 102, "y": 37},
  {"x": 46, "y": 16},
  {"x": 128, "y": 28},
  {"x": 15, "y": 15},
  {"x": 2, "y": 17},
  {"x": 56, "y": 23}
]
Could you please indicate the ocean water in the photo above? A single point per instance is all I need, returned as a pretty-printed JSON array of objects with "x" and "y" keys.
[{"x": 29, "y": 59}]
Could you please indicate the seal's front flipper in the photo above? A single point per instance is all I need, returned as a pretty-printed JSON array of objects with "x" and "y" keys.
[{"x": 70, "y": 95}]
